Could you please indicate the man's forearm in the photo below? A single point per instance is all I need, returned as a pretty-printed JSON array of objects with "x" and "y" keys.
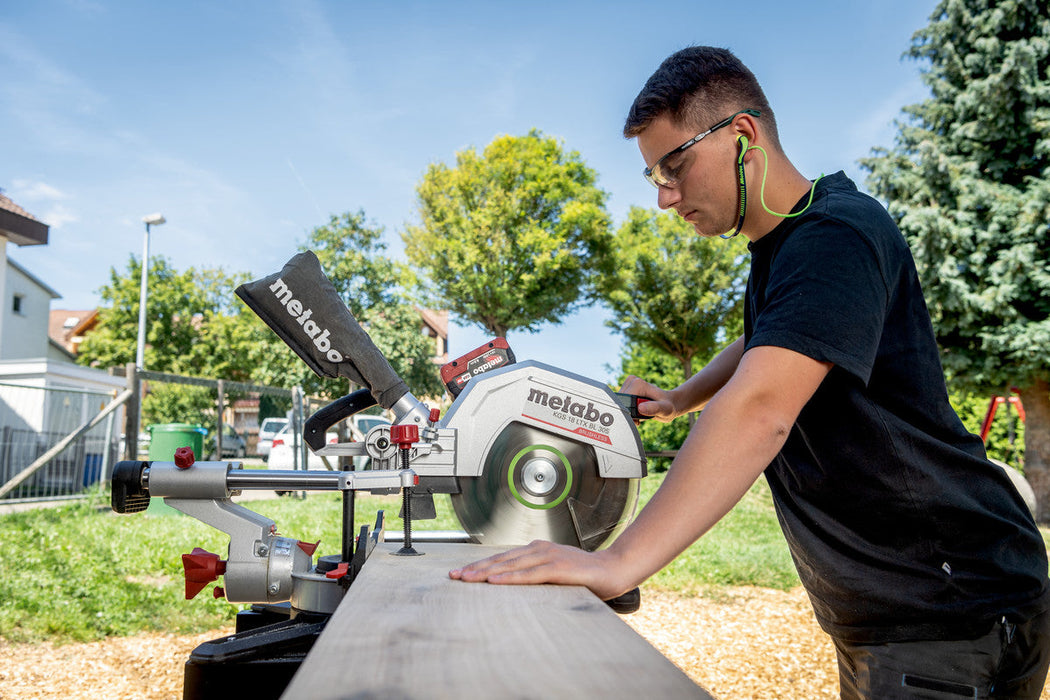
[
  {"x": 695, "y": 392},
  {"x": 737, "y": 436},
  {"x": 719, "y": 461}
]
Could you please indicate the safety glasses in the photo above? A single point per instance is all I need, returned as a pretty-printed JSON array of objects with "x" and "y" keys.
[{"x": 667, "y": 171}]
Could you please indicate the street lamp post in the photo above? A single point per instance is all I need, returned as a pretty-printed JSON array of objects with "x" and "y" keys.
[{"x": 151, "y": 220}]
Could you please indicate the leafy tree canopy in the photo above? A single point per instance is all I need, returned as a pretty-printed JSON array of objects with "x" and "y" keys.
[
  {"x": 675, "y": 291},
  {"x": 969, "y": 185},
  {"x": 512, "y": 237},
  {"x": 175, "y": 306},
  {"x": 197, "y": 326}
]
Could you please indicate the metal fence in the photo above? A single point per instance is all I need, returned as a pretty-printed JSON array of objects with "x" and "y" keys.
[
  {"x": 34, "y": 419},
  {"x": 219, "y": 400},
  {"x": 59, "y": 443},
  {"x": 223, "y": 395}
]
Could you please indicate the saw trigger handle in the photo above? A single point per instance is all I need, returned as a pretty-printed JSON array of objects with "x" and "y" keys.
[
  {"x": 319, "y": 423},
  {"x": 128, "y": 494},
  {"x": 630, "y": 402}
]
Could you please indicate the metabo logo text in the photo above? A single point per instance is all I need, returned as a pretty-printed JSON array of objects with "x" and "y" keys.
[
  {"x": 570, "y": 405},
  {"x": 302, "y": 316}
]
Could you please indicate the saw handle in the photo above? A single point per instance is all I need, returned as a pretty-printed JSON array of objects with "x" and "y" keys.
[
  {"x": 128, "y": 495},
  {"x": 319, "y": 423},
  {"x": 630, "y": 402}
]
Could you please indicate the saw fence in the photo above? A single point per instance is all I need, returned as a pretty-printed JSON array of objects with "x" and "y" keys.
[{"x": 439, "y": 638}]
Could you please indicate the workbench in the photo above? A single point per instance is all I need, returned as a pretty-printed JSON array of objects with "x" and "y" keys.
[{"x": 405, "y": 630}]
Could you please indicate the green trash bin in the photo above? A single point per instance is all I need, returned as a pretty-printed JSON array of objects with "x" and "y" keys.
[{"x": 165, "y": 438}]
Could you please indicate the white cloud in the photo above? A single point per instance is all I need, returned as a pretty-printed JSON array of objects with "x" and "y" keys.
[
  {"x": 26, "y": 190},
  {"x": 58, "y": 216}
]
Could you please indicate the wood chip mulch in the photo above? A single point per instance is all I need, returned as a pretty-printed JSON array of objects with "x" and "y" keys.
[
  {"x": 746, "y": 643},
  {"x": 143, "y": 667}
]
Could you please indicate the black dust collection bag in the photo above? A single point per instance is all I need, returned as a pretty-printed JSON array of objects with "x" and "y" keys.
[{"x": 303, "y": 308}]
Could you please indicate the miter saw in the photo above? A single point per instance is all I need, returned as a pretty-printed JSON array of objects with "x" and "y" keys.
[{"x": 525, "y": 451}]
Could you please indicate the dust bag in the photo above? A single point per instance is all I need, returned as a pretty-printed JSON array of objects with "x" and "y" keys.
[{"x": 303, "y": 308}]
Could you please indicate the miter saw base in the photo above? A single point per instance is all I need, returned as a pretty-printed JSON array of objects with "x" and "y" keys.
[{"x": 259, "y": 660}]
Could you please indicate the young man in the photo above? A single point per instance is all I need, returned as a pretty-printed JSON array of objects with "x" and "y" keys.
[{"x": 920, "y": 558}]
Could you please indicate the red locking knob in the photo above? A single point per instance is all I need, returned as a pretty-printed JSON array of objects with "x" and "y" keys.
[
  {"x": 404, "y": 435},
  {"x": 184, "y": 457},
  {"x": 435, "y": 415},
  {"x": 202, "y": 567}
]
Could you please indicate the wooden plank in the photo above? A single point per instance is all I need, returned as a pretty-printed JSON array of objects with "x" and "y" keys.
[{"x": 405, "y": 630}]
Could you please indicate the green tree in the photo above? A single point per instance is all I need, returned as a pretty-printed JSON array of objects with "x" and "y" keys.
[
  {"x": 197, "y": 326},
  {"x": 193, "y": 328},
  {"x": 675, "y": 291},
  {"x": 353, "y": 256},
  {"x": 968, "y": 183},
  {"x": 513, "y": 237},
  {"x": 174, "y": 307}
]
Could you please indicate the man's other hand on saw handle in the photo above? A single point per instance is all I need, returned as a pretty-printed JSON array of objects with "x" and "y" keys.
[{"x": 660, "y": 404}]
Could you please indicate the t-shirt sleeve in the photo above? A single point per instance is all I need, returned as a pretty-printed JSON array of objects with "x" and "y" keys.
[{"x": 827, "y": 298}]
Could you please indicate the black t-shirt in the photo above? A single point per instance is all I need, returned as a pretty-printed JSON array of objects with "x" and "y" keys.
[{"x": 899, "y": 526}]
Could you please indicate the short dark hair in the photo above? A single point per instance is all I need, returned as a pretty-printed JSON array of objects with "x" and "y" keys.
[{"x": 697, "y": 87}]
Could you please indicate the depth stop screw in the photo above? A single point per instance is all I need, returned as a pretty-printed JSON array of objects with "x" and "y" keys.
[{"x": 405, "y": 436}]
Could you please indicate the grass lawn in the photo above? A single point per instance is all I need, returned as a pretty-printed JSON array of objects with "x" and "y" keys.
[{"x": 80, "y": 572}]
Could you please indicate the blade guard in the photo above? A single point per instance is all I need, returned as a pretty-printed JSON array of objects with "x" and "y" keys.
[{"x": 536, "y": 394}]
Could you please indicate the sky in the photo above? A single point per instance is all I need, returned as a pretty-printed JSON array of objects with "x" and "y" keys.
[{"x": 247, "y": 124}]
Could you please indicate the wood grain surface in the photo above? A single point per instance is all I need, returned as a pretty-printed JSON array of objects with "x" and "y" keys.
[{"x": 405, "y": 630}]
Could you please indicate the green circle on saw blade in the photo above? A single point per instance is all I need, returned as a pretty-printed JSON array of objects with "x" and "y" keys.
[{"x": 514, "y": 490}]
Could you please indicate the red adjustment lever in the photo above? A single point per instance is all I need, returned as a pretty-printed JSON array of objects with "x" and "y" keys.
[
  {"x": 341, "y": 570},
  {"x": 184, "y": 457},
  {"x": 202, "y": 567},
  {"x": 308, "y": 547},
  {"x": 404, "y": 435}
]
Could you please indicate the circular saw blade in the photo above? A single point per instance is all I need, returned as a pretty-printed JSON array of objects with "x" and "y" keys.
[{"x": 537, "y": 485}]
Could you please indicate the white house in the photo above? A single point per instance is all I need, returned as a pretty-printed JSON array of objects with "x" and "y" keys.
[
  {"x": 44, "y": 395},
  {"x": 19, "y": 227},
  {"x": 25, "y": 317}
]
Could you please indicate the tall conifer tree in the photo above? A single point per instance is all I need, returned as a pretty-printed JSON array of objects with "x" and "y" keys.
[{"x": 968, "y": 181}]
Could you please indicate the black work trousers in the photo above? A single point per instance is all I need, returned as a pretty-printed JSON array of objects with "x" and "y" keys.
[{"x": 1009, "y": 662}]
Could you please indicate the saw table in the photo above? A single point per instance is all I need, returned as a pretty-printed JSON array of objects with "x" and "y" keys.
[{"x": 405, "y": 630}]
